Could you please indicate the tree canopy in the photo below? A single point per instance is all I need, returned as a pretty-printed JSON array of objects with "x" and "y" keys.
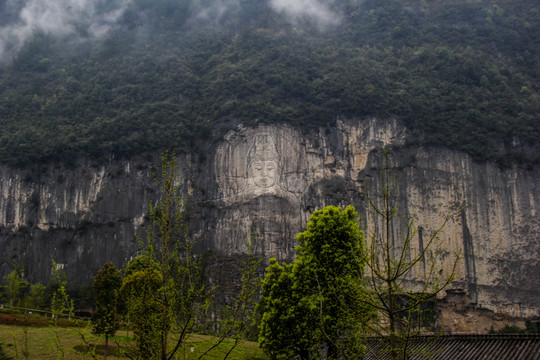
[
  {"x": 106, "y": 286},
  {"x": 458, "y": 73},
  {"x": 315, "y": 301}
]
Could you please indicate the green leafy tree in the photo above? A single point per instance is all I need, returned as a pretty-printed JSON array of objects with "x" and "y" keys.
[
  {"x": 285, "y": 329},
  {"x": 140, "y": 285},
  {"x": 17, "y": 287},
  {"x": 318, "y": 297},
  {"x": 106, "y": 285},
  {"x": 38, "y": 298},
  {"x": 392, "y": 261},
  {"x": 181, "y": 296},
  {"x": 58, "y": 279},
  {"x": 62, "y": 304},
  {"x": 164, "y": 288}
]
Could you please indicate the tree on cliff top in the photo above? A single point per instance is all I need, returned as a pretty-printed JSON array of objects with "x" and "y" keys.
[{"x": 315, "y": 301}]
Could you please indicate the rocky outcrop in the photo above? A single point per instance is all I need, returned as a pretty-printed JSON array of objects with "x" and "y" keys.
[{"x": 265, "y": 182}]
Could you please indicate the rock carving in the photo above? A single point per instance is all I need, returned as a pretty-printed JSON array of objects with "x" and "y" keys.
[
  {"x": 263, "y": 163},
  {"x": 264, "y": 173}
]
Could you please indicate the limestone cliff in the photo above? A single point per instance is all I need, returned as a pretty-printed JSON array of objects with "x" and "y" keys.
[{"x": 266, "y": 181}]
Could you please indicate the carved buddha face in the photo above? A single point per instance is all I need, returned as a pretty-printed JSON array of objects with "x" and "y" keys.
[
  {"x": 264, "y": 173},
  {"x": 263, "y": 162}
]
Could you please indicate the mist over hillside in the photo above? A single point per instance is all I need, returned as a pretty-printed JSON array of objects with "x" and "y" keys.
[{"x": 95, "y": 78}]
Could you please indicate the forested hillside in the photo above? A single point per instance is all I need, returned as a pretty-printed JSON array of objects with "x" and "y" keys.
[{"x": 172, "y": 73}]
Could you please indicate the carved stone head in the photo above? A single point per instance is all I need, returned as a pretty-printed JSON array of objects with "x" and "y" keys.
[{"x": 263, "y": 162}]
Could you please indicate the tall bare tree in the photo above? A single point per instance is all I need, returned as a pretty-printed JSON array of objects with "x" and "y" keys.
[
  {"x": 166, "y": 294},
  {"x": 402, "y": 278}
]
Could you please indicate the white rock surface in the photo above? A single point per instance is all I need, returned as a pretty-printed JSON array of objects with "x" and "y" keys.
[{"x": 266, "y": 181}]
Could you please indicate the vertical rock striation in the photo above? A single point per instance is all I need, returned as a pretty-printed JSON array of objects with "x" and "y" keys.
[{"x": 265, "y": 182}]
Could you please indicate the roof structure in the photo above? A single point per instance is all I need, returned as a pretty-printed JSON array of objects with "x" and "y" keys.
[{"x": 463, "y": 347}]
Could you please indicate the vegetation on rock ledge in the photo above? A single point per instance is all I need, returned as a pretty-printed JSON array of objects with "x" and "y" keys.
[{"x": 458, "y": 73}]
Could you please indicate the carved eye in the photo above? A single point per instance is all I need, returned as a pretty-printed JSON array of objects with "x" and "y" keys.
[
  {"x": 271, "y": 165},
  {"x": 257, "y": 166}
]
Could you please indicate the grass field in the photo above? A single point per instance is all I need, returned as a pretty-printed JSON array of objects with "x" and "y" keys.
[{"x": 41, "y": 341}]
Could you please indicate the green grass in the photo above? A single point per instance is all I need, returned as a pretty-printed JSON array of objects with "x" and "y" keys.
[
  {"x": 197, "y": 344},
  {"x": 77, "y": 342}
]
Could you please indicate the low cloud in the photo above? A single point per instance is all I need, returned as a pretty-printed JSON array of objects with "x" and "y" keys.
[
  {"x": 57, "y": 17},
  {"x": 96, "y": 18},
  {"x": 313, "y": 10},
  {"x": 215, "y": 10},
  {"x": 316, "y": 11}
]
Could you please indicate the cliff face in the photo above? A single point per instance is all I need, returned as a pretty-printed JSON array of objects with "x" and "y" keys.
[{"x": 266, "y": 181}]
